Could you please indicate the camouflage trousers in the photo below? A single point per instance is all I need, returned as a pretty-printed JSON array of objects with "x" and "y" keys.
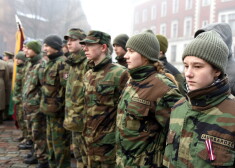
[
  {"x": 58, "y": 141},
  {"x": 20, "y": 116},
  {"x": 79, "y": 149},
  {"x": 39, "y": 137}
]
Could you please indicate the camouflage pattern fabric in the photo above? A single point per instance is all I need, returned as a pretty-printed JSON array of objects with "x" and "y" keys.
[
  {"x": 74, "y": 103},
  {"x": 143, "y": 116},
  {"x": 17, "y": 98},
  {"x": 31, "y": 100},
  {"x": 58, "y": 141},
  {"x": 103, "y": 85},
  {"x": 53, "y": 76},
  {"x": 207, "y": 114},
  {"x": 31, "y": 93}
]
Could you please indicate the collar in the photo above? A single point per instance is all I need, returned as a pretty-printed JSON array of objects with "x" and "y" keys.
[
  {"x": 205, "y": 98},
  {"x": 141, "y": 73},
  {"x": 107, "y": 60},
  {"x": 55, "y": 55},
  {"x": 76, "y": 58}
]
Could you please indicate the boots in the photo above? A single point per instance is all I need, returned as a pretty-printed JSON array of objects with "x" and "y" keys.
[
  {"x": 43, "y": 165},
  {"x": 27, "y": 145},
  {"x": 32, "y": 160}
]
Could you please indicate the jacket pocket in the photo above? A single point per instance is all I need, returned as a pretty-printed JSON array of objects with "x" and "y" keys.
[
  {"x": 224, "y": 155},
  {"x": 51, "y": 78},
  {"x": 105, "y": 94},
  {"x": 50, "y": 106},
  {"x": 136, "y": 115}
]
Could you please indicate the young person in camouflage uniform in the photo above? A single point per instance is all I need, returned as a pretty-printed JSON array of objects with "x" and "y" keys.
[
  {"x": 145, "y": 105},
  {"x": 202, "y": 125},
  {"x": 31, "y": 101},
  {"x": 103, "y": 85},
  {"x": 119, "y": 45},
  {"x": 74, "y": 98},
  {"x": 17, "y": 97},
  {"x": 53, "y": 76}
]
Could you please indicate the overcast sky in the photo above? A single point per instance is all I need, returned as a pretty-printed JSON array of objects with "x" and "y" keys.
[{"x": 110, "y": 16}]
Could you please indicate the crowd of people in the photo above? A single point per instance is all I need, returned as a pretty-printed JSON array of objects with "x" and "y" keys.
[{"x": 72, "y": 100}]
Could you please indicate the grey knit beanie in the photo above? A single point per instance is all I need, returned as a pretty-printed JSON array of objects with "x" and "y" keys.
[
  {"x": 121, "y": 40},
  {"x": 54, "y": 41},
  {"x": 146, "y": 44},
  {"x": 210, "y": 47}
]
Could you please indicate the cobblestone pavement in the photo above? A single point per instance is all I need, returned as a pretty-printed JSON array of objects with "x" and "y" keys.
[{"x": 10, "y": 155}]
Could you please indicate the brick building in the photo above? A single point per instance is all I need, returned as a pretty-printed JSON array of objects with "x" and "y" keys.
[{"x": 179, "y": 19}]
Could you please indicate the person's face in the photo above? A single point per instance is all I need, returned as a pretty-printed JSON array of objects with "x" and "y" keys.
[
  {"x": 24, "y": 48},
  {"x": 198, "y": 73},
  {"x": 119, "y": 50},
  {"x": 5, "y": 58},
  {"x": 73, "y": 45},
  {"x": 29, "y": 53},
  {"x": 93, "y": 51},
  {"x": 49, "y": 50},
  {"x": 134, "y": 59},
  {"x": 18, "y": 61}
]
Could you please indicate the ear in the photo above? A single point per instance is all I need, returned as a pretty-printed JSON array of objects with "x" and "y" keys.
[
  {"x": 217, "y": 73},
  {"x": 104, "y": 47}
]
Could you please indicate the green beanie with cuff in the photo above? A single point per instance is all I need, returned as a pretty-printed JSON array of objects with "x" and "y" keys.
[
  {"x": 146, "y": 44},
  {"x": 35, "y": 46},
  {"x": 210, "y": 47}
]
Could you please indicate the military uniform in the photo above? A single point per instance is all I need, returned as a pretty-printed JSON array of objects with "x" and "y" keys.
[
  {"x": 4, "y": 83},
  {"x": 53, "y": 76},
  {"x": 36, "y": 121},
  {"x": 103, "y": 85},
  {"x": 208, "y": 114},
  {"x": 17, "y": 97},
  {"x": 143, "y": 115},
  {"x": 74, "y": 103}
]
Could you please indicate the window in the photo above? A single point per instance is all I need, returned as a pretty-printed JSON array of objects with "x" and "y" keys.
[
  {"x": 163, "y": 9},
  {"x": 163, "y": 29},
  {"x": 136, "y": 18},
  {"x": 206, "y": 2},
  {"x": 228, "y": 17},
  {"x": 173, "y": 53},
  {"x": 144, "y": 16},
  {"x": 204, "y": 23},
  {"x": 174, "y": 29},
  {"x": 188, "y": 4},
  {"x": 175, "y": 6},
  {"x": 187, "y": 27},
  {"x": 153, "y": 13}
]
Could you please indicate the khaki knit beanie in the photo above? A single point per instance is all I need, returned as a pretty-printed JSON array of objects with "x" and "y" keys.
[
  {"x": 162, "y": 42},
  {"x": 121, "y": 40},
  {"x": 146, "y": 44},
  {"x": 210, "y": 47}
]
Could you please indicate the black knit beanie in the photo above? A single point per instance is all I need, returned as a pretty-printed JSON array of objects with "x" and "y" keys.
[
  {"x": 54, "y": 41},
  {"x": 121, "y": 40}
]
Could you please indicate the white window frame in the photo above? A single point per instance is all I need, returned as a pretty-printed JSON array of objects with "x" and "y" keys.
[
  {"x": 186, "y": 31},
  {"x": 144, "y": 15},
  {"x": 188, "y": 4},
  {"x": 174, "y": 25},
  {"x": 153, "y": 12},
  {"x": 175, "y": 6},
  {"x": 163, "y": 9},
  {"x": 163, "y": 29}
]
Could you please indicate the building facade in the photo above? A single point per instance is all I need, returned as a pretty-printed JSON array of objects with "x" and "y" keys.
[{"x": 179, "y": 19}]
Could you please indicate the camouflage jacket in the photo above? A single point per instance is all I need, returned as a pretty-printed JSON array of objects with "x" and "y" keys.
[
  {"x": 19, "y": 83},
  {"x": 209, "y": 113},
  {"x": 53, "y": 76},
  {"x": 143, "y": 117},
  {"x": 31, "y": 88},
  {"x": 103, "y": 85},
  {"x": 74, "y": 98}
]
